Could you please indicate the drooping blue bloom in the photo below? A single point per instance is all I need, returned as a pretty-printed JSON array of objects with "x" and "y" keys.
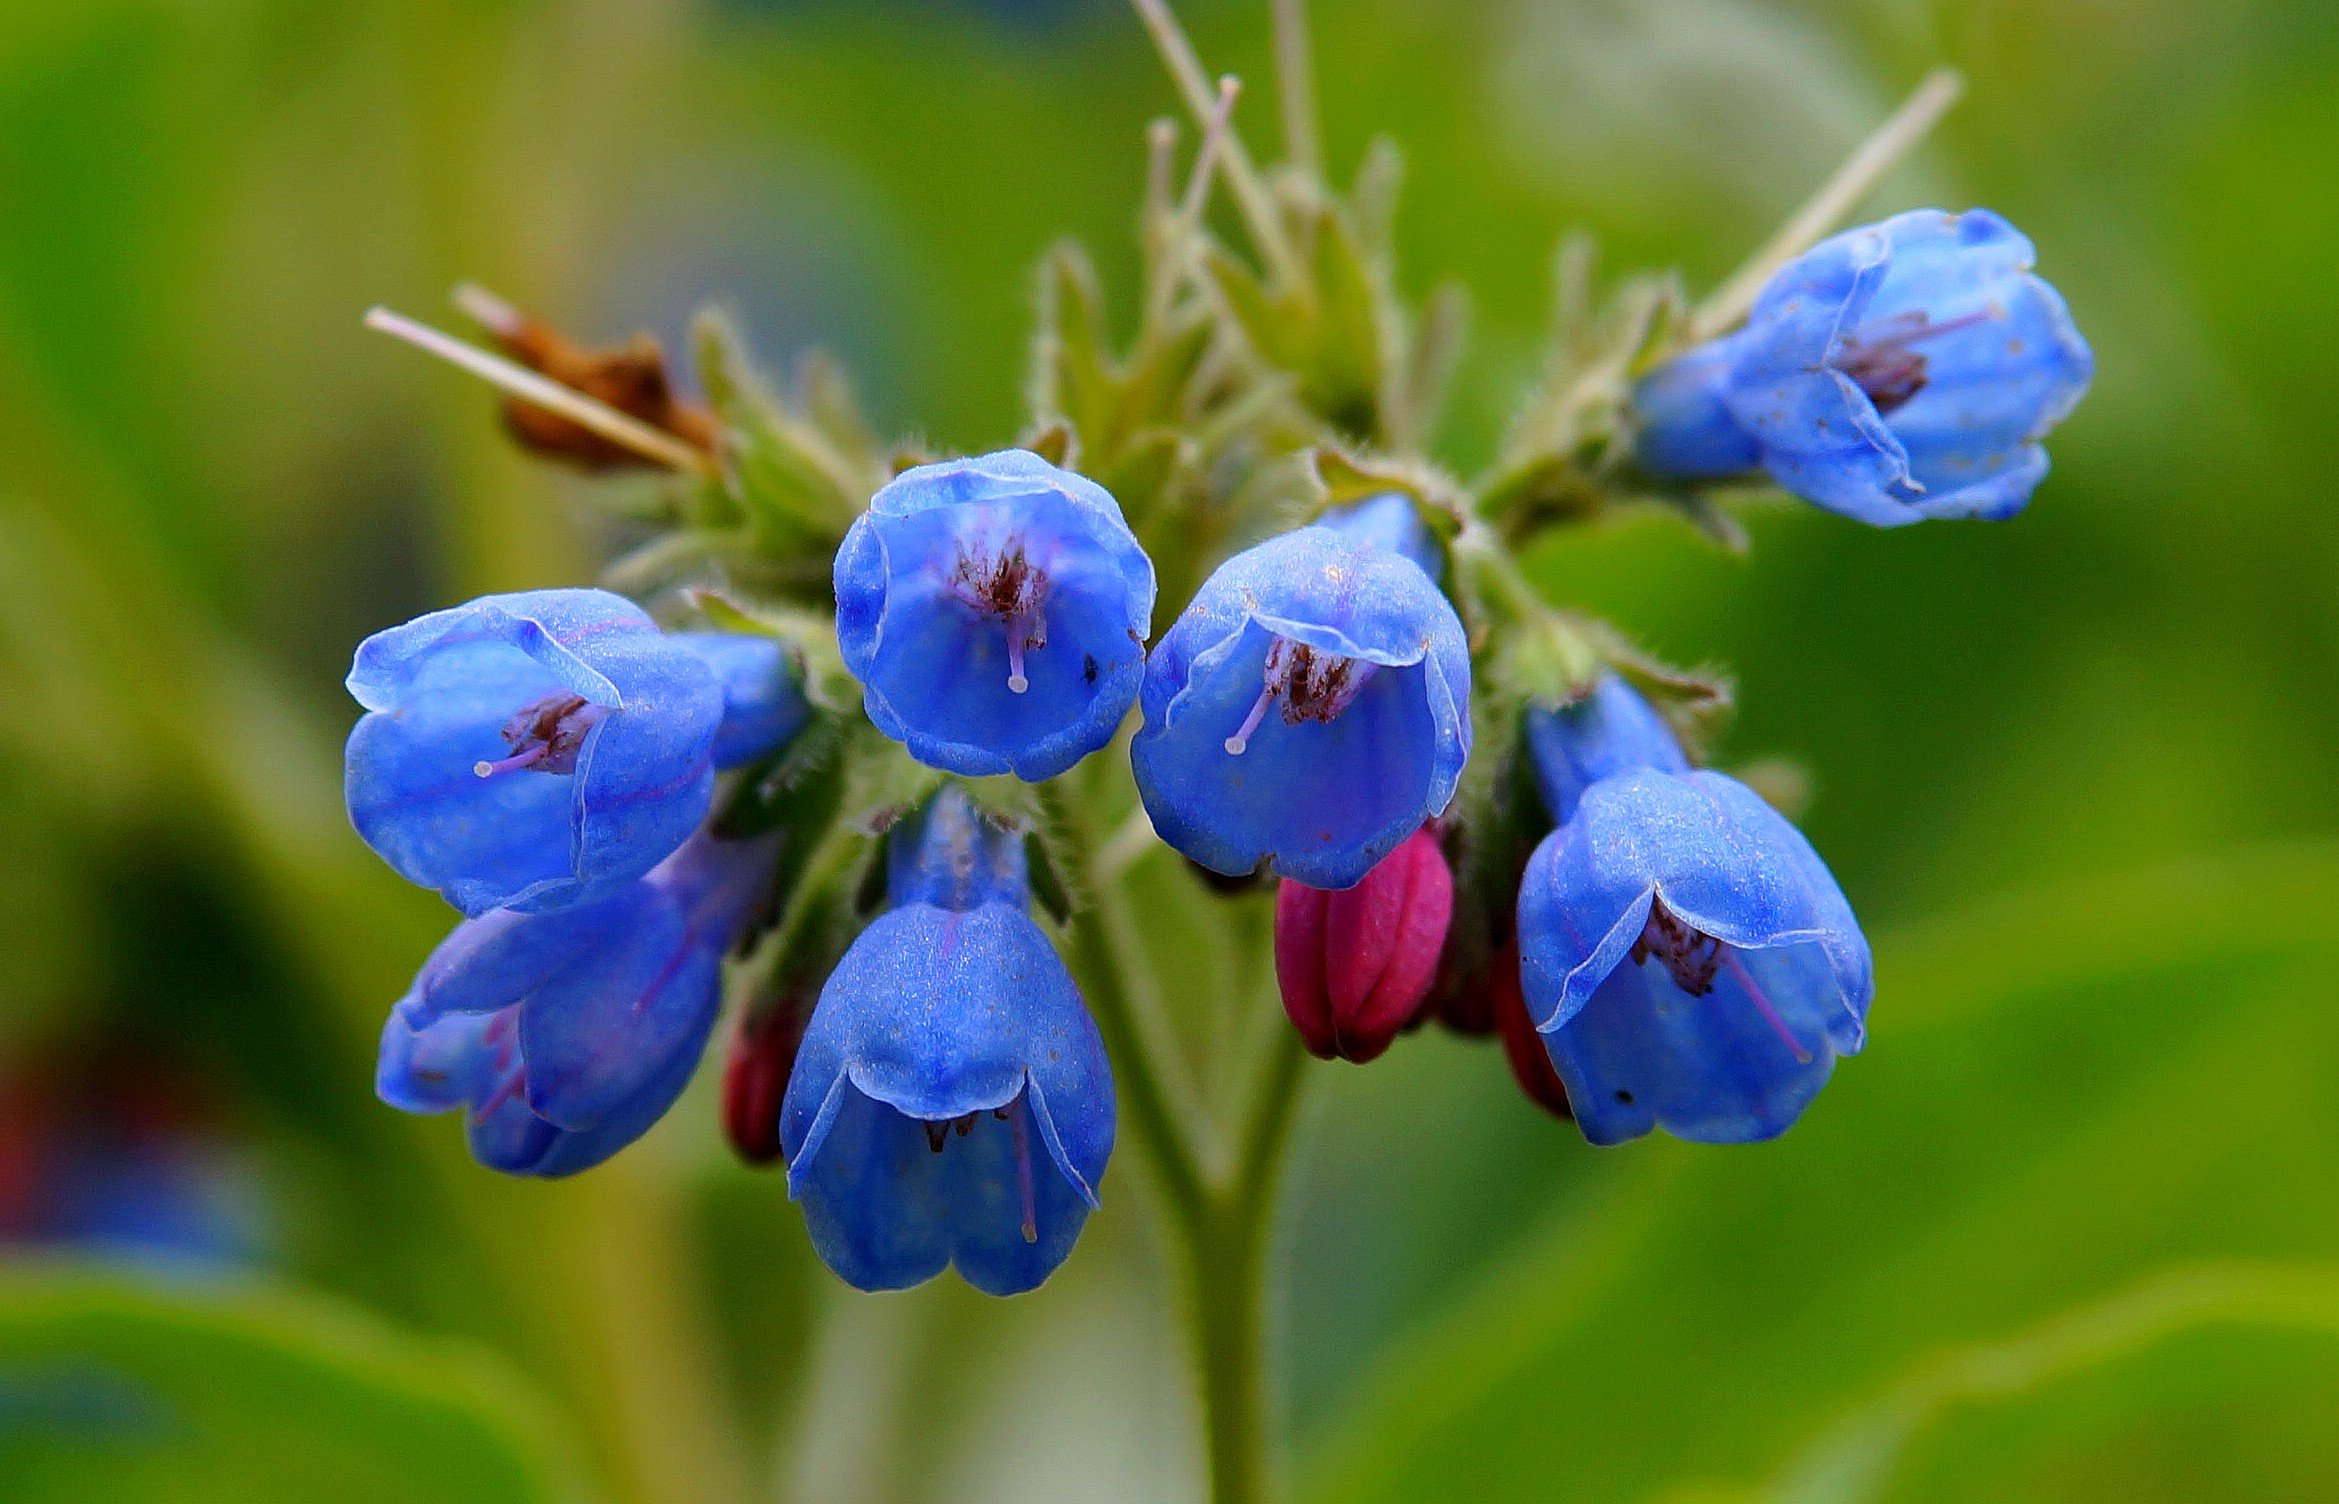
[
  {"x": 565, "y": 1035},
  {"x": 995, "y": 611},
  {"x": 1611, "y": 729},
  {"x": 763, "y": 706},
  {"x": 1689, "y": 960},
  {"x": 1897, "y": 372},
  {"x": 530, "y": 751},
  {"x": 1366, "y": 668},
  {"x": 951, "y": 1102}
]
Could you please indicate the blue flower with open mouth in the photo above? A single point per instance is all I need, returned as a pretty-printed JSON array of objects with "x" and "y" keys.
[
  {"x": 1901, "y": 371},
  {"x": 1310, "y": 709},
  {"x": 995, "y": 611},
  {"x": 951, "y": 1102},
  {"x": 1689, "y": 960},
  {"x": 544, "y": 749},
  {"x": 566, "y": 1035}
]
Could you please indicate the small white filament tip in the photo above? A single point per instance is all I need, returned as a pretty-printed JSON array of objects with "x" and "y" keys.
[
  {"x": 483, "y": 768},
  {"x": 1018, "y": 683},
  {"x": 1240, "y": 742}
]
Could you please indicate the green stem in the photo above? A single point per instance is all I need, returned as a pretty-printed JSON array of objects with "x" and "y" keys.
[
  {"x": 1228, "y": 1258},
  {"x": 1220, "y": 1209}
]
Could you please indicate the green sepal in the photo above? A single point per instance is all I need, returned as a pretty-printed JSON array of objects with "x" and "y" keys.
[
  {"x": 884, "y": 783},
  {"x": 797, "y": 487}
]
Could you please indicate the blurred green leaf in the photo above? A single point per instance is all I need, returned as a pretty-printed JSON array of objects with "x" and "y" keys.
[
  {"x": 2065, "y": 1094},
  {"x": 111, "y": 1390},
  {"x": 2104, "y": 1367}
]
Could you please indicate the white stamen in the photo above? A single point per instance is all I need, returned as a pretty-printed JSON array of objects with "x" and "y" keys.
[
  {"x": 1015, "y": 679},
  {"x": 1240, "y": 742},
  {"x": 528, "y": 759}
]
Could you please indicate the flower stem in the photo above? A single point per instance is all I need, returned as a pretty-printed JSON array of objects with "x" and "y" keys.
[
  {"x": 1228, "y": 1258},
  {"x": 1220, "y": 1208}
]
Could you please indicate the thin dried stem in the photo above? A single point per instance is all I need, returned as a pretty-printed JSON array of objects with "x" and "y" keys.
[
  {"x": 1242, "y": 176},
  {"x": 1295, "y": 84},
  {"x": 1186, "y": 221},
  {"x": 1161, "y": 144},
  {"x": 1836, "y": 198},
  {"x": 533, "y": 387}
]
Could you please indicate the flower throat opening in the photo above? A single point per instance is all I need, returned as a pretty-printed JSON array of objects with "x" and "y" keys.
[
  {"x": 546, "y": 735},
  {"x": 1313, "y": 686},
  {"x": 1009, "y": 587}
]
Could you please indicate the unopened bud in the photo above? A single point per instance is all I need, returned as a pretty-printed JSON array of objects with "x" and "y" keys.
[
  {"x": 1356, "y": 963},
  {"x": 1521, "y": 1044},
  {"x": 755, "y": 1078}
]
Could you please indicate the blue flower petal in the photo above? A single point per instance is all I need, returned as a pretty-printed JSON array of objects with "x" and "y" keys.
[
  {"x": 1323, "y": 800},
  {"x": 1791, "y": 980},
  {"x": 1390, "y": 522},
  {"x": 1713, "y": 1069},
  {"x": 932, "y": 1016},
  {"x": 934, "y": 664},
  {"x": 1683, "y": 425},
  {"x": 440, "y": 691},
  {"x": 1610, "y": 730},
  {"x": 763, "y": 706},
  {"x": 1902, "y": 371}
]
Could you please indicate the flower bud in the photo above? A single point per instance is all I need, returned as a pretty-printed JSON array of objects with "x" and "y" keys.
[
  {"x": 1355, "y": 963},
  {"x": 1521, "y": 1045},
  {"x": 755, "y": 1078}
]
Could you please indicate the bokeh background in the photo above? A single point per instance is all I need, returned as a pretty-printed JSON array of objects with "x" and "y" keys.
[{"x": 2069, "y": 1231}]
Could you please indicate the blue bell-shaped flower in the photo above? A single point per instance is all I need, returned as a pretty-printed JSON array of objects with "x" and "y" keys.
[
  {"x": 1901, "y": 371},
  {"x": 995, "y": 611},
  {"x": 1689, "y": 960},
  {"x": 1310, "y": 709},
  {"x": 545, "y": 749},
  {"x": 951, "y": 1102}
]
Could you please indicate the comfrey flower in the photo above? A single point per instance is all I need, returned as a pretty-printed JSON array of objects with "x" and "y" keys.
[
  {"x": 1901, "y": 371},
  {"x": 544, "y": 749},
  {"x": 951, "y": 1102},
  {"x": 1311, "y": 708},
  {"x": 995, "y": 611},
  {"x": 1687, "y": 957},
  {"x": 565, "y": 1035}
]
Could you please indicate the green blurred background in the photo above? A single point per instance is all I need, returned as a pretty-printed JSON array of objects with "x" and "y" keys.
[{"x": 2069, "y": 1231}]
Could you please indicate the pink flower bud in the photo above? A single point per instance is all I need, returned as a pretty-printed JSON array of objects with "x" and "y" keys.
[
  {"x": 1530, "y": 1061},
  {"x": 1356, "y": 963},
  {"x": 755, "y": 1078}
]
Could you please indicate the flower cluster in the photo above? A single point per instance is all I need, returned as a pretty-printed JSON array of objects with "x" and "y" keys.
[
  {"x": 868, "y": 809},
  {"x": 547, "y": 761}
]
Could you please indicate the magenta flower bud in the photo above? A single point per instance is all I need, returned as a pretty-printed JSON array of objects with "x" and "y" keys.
[{"x": 1355, "y": 963}]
